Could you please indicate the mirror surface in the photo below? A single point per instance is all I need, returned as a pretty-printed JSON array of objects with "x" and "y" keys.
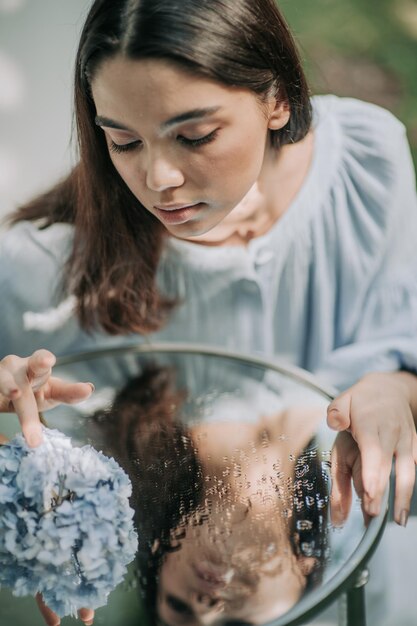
[{"x": 230, "y": 468}]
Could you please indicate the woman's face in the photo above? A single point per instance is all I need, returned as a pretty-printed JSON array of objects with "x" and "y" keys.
[
  {"x": 238, "y": 564},
  {"x": 190, "y": 149},
  {"x": 212, "y": 578}
]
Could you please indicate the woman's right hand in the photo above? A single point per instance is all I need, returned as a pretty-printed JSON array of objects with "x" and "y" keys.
[{"x": 27, "y": 387}]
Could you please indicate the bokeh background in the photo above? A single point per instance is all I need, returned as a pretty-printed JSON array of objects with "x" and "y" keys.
[{"x": 361, "y": 48}]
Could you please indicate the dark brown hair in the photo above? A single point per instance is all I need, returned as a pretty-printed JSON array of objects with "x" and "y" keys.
[
  {"x": 117, "y": 242},
  {"x": 142, "y": 430}
]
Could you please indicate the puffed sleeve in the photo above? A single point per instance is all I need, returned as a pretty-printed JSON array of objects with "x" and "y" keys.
[
  {"x": 377, "y": 259},
  {"x": 34, "y": 311}
]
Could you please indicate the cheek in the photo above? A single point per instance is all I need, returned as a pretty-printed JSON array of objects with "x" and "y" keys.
[
  {"x": 237, "y": 167},
  {"x": 244, "y": 153},
  {"x": 129, "y": 172}
]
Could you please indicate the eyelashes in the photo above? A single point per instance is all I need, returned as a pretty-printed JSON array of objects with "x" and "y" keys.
[
  {"x": 127, "y": 147},
  {"x": 194, "y": 143},
  {"x": 191, "y": 143}
]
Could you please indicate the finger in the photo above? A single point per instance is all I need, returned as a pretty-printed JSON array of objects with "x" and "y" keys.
[
  {"x": 39, "y": 365},
  {"x": 405, "y": 475},
  {"x": 341, "y": 492},
  {"x": 8, "y": 385},
  {"x": 51, "y": 618},
  {"x": 87, "y": 616},
  {"x": 61, "y": 391},
  {"x": 371, "y": 456},
  {"x": 3, "y": 439},
  {"x": 358, "y": 486},
  {"x": 27, "y": 411},
  {"x": 376, "y": 454},
  {"x": 338, "y": 413}
]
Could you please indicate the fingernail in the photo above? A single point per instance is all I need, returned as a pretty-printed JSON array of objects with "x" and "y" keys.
[
  {"x": 404, "y": 518},
  {"x": 92, "y": 389},
  {"x": 335, "y": 419},
  {"x": 337, "y": 520},
  {"x": 89, "y": 623}
]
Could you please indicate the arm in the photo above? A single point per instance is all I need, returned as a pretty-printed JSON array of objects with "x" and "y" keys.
[{"x": 377, "y": 325}]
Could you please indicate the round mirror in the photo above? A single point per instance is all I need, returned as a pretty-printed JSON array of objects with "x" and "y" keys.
[{"x": 229, "y": 459}]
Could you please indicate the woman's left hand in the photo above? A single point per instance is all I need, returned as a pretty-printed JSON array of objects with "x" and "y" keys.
[{"x": 377, "y": 412}]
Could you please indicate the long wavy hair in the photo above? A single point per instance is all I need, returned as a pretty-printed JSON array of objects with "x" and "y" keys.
[{"x": 117, "y": 243}]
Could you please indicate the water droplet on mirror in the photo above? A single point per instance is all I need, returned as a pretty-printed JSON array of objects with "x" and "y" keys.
[{"x": 304, "y": 524}]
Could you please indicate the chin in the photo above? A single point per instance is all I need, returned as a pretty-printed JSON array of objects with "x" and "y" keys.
[{"x": 191, "y": 230}]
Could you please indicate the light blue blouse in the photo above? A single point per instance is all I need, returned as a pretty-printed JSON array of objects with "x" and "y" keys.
[{"x": 332, "y": 287}]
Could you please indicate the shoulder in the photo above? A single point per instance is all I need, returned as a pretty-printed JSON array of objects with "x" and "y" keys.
[
  {"x": 53, "y": 243},
  {"x": 29, "y": 253},
  {"x": 31, "y": 257},
  {"x": 370, "y": 144},
  {"x": 365, "y": 180},
  {"x": 364, "y": 154},
  {"x": 31, "y": 264},
  {"x": 366, "y": 125}
]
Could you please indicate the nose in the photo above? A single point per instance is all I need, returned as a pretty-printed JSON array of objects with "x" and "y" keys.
[
  {"x": 163, "y": 173},
  {"x": 206, "y": 607},
  {"x": 206, "y": 601}
]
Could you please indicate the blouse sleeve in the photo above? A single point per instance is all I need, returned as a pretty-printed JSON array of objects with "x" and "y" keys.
[
  {"x": 34, "y": 312},
  {"x": 377, "y": 321}
]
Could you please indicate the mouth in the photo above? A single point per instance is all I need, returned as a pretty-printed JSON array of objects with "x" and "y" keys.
[{"x": 177, "y": 213}]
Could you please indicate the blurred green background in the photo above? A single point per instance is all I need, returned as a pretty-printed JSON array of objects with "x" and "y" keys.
[{"x": 361, "y": 48}]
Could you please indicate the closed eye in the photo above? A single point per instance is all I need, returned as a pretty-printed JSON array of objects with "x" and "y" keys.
[
  {"x": 192, "y": 143},
  {"x": 126, "y": 147},
  {"x": 199, "y": 141},
  {"x": 178, "y": 606}
]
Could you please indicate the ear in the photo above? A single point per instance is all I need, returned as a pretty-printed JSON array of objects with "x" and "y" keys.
[{"x": 279, "y": 114}]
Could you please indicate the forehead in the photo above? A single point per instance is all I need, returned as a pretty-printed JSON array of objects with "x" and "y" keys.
[{"x": 134, "y": 88}]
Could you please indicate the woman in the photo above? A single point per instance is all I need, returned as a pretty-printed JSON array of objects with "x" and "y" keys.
[{"x": 214, "y": 200}]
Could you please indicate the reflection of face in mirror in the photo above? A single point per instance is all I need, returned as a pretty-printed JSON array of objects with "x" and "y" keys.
[
  {"x": 239, "y": 546},
  {"x": 231, "y": 516}
]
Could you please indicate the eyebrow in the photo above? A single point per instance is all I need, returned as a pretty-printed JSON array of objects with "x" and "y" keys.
[{"x": 194, "y": 114}]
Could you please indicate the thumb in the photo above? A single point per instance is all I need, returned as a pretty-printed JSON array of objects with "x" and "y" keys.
[{"x": 338, "y": 412}]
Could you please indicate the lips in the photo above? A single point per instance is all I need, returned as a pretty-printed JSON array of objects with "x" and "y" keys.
[
  {"x": 174, "y": 207},
  {"x": 177, "y": 213}
]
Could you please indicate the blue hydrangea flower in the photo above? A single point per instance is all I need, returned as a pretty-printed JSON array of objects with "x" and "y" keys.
[{"x": 66, "y": 527}]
